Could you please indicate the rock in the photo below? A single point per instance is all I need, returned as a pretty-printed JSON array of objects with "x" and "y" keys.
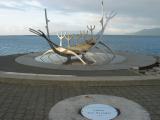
[{"x": 156, "y": 68}]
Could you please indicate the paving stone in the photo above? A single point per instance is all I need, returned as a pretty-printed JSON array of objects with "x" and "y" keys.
[{"x": 34, "y": 101}]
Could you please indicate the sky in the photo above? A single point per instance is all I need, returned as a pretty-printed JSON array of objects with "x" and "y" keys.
[{"x": 17, "y": 16}]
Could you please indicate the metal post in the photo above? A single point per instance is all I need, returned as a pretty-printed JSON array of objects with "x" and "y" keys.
[
  {"x": 102, "y": 19},
  {"x": 47, "y": 21}
]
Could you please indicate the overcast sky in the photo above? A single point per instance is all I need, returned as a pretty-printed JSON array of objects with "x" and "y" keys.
[{"x": 16, "y": 16}]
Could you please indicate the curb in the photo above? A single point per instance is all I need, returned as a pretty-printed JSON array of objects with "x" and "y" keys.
[{"x": 44, "y": 79}]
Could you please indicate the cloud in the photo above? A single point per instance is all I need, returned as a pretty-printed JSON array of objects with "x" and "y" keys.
[
  {"x": 33, "y": 3},
  {"x": 23, "y": 5},
  {"x": 73, "y": 22},
  {"x": 133, "y": 15},
  {"x": 10, "y": 5},
  {"x": 74, "y": 15}
]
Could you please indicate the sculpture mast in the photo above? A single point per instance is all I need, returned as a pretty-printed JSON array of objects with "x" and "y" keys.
[
  {"x": 102, "y": 19},
  {"x": 47, "y": 21}
]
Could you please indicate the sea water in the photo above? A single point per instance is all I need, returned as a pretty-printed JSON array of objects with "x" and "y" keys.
[{"x": 149, "y": 45}]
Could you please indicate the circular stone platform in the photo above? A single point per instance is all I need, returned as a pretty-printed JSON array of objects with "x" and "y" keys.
[
  {"x": 95, "y": 58},
  {"x": 122, "y": 61},
  {"x": 70, "y": 109}
]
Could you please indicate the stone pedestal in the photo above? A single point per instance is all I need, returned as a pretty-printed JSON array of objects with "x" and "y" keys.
[{"x": 70, "y": 109}]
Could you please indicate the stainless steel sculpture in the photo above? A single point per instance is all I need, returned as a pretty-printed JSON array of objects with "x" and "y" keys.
[
  {"x": 91, "y": 29},
  {"x": 93, "y": 41},
  {"x": 61, "y": 37},
  {"x": 68, "y": 38}
]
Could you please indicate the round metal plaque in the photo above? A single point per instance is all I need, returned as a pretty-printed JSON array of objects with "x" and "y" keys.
[{"x": 99, "y": 112}]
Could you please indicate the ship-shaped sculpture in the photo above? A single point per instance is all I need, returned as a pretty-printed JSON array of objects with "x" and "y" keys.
[{"x": 80, "y": 49}]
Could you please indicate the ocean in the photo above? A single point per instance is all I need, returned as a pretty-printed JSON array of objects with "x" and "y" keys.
[{"x": 149, "y": 45}]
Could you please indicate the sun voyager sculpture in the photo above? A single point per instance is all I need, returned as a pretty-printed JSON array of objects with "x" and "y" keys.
[{"x": 89, "y": 48}]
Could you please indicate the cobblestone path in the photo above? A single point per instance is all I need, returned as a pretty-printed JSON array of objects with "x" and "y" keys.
[{"x": 33, "y": 102}]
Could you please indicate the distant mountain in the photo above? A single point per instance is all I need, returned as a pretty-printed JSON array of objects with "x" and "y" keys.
[{"x": 148, "y": 32}]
